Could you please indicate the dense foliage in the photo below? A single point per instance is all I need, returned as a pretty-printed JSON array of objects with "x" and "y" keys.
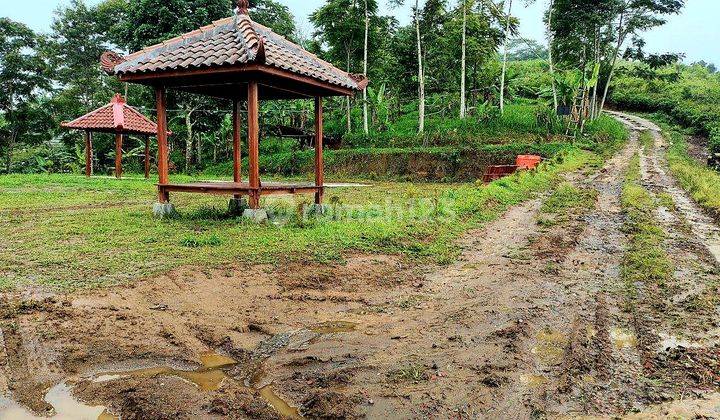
[{"x": 688, "y": 95}]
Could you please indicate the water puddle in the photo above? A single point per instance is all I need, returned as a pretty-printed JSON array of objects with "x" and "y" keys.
[
  {"x": 65, "y": 406},
  {"x": 622, "y": 338},
  {"x": 331, "y": 327},
  {"x": 707, "y": 407},
  {"x": 285, "y": 410},
  {"x": 669, "y": 342},
  {"x": 533, "y": 381},
  {"x": 550, "y": 346},
  {"x": 209, "y": 377},
  {"x": 211, "y": 359}
]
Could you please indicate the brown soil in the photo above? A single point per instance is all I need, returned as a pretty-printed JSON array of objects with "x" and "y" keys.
[{"x": 530, "y": 322}]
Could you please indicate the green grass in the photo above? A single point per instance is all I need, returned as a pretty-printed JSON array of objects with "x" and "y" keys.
[
  {"x": 565, "y": 201},
  {"x": 701, "y": 182},
  {"x": 645, "y": 262},
  {"x": 646, "y": 139},
  {"x": 66, "y": 232}
]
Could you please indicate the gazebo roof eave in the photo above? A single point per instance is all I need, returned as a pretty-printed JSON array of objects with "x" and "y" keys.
[
  {"x": 304, "y": 86},
  {"x": 112, "y": 131}
]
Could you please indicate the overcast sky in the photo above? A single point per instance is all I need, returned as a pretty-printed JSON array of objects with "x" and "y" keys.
[{"x": 696, "y": 32}]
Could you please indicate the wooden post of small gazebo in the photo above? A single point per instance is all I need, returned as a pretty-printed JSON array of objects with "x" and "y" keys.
[
  {"x": 116, "y": 118},
  {"x": 88, "y": 154},
  {"x": 238, "y": 60}
]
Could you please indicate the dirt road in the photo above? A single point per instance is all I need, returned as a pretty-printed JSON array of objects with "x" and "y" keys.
[{"x": 531, "y": 322}]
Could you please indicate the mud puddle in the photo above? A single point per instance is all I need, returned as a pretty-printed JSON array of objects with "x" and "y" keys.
[
  {"x": 65, "y": 406},
  {"x": 707, "y": 407},
  {"x": 209, "y": 377},
  {"x": 622, "y": 338}
]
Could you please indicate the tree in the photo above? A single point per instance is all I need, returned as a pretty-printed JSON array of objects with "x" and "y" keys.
[
  {"x": 421, "y": 71},
  {"x": 505, "y": 57},
  {"x": 340, "y": 26},
  {"x": 463, "y": 65},
  {"x": 22, "y": 79},
  {"x": 589, "y": 33},
  {"x": 73, "y": 49},
  {"x": 366, "y": 129},
  {"x": 275, "y": 15}
]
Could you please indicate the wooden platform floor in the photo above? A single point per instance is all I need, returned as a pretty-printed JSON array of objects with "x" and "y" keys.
[{"x": 241, "y": 188}]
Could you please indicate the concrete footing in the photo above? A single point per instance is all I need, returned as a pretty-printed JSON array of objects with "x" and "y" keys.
[
  {"x": 237, "y": 206},
  {"x": 164, "y": 211},
  {"x": 255, "y": 215}
]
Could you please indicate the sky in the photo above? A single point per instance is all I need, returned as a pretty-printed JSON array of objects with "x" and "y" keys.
[{"x": 695, "y": 32}]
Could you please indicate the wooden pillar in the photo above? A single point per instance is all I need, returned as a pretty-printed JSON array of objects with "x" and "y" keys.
[
  {"x": 237, "y": 155},
  {"x": 118, "y": 155},
  {"x": 163, "y": 158},
  {"x": 147, "y": 157},
  {"x": 88, "y": 154},
  {"x": 254, "y": 144},
  {"x": 319, "y": 166}
]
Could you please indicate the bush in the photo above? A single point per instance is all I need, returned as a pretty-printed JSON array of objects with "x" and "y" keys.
[{"x": 689, "y": 97}]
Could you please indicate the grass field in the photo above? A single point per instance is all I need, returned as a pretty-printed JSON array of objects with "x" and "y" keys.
[{"x": 66, "y": 232}]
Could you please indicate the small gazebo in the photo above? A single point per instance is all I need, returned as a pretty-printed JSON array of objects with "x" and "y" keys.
[
  {"x": 117, "y": 118},
  {"x": 239, "y": 60}
]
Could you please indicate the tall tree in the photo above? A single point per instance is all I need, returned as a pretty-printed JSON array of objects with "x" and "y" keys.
[
  {"x": 366, "y": 129},
  {"x": 421, "y": 70},
  {"x": 551, "y": 11},
  {"x": 505, "y": 56},
  {"x": 340, "y": 26},
  {"x": 22, "y": 79},
  {"x": 634, "y": 17},
  {"x": 74, "y": 46},
  {"x": 463, "y": 65}
]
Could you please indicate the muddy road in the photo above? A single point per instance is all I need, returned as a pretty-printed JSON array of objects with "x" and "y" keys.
[{"x": 530, "y": 322}]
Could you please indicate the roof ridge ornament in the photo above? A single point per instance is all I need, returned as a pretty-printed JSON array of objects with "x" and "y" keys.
[
  {"x": 109, "y": 60},
  {"x": 242, "y": 7}
]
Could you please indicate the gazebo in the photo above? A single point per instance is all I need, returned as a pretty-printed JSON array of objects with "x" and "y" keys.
[
  {"x": 117, "y": 118},
  {"x": 239, "y": 60}
]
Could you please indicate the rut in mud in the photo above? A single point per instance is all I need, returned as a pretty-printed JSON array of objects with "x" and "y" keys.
[{"x": 531, "y": 321}]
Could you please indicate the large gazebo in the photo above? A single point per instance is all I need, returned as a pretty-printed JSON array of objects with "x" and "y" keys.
[
  {"x": 116, "y": 118},
  {"x": 240, "y": 60}
]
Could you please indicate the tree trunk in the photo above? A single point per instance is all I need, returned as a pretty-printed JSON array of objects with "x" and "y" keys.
[
  {"x": 199, "y": 150},
  {"x": 463, "y": 106},
  {"x": 593, "y": 103},
  {"x": 347, "y": 98},
  {"x": 621, "y": 40},
  {"x": 188, "y": 140},
  {"x": 421, "y": 71},
  {"x": 366, "y": 128},
  {"x": 550, "y": 56},
  {"x": 505, "y": 54}
]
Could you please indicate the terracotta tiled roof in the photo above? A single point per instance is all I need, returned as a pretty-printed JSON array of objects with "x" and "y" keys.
[
  {"x": 117, "y": 116},
  {"x": 227, "y": 42}
]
